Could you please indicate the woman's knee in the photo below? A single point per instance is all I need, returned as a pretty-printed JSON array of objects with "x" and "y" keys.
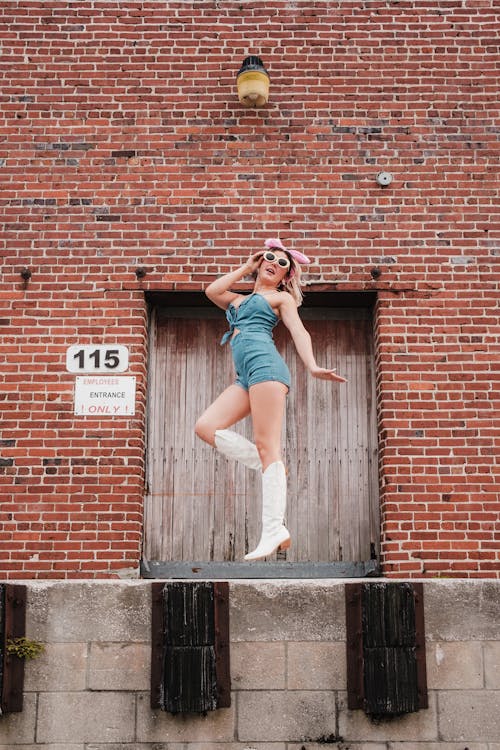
[
  {"x": 205, "y": 430},
  {"x": 269, "y": 451}
]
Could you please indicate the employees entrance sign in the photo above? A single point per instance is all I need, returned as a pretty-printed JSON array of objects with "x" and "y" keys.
[{"x": 105, "y": 396}]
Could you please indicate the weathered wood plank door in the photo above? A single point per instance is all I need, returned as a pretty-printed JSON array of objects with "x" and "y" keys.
[{"x": 200, "y": 506}]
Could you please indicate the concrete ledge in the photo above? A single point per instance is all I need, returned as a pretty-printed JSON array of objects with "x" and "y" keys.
[
  {"x": 287, "y": 610},
  {"x": 462, "y": 610},
  {"x": 64, "y": 611},
  {"x": 90, "y": 689}
]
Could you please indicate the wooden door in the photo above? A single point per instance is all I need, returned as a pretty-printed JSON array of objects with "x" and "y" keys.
[{"x": 201, "y": 507}]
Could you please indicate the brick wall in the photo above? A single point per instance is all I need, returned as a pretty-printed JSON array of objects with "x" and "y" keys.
[{"x": 124, "y": 145}]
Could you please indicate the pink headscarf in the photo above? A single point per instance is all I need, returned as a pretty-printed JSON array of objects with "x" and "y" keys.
[{"x": 278, "y": 245}]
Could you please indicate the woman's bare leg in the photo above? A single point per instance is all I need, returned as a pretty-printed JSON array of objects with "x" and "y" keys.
[
  {"x": 267, "y": 407},
  {"x": 267, "y": 403},
  {"x": 232, "y": 405}
]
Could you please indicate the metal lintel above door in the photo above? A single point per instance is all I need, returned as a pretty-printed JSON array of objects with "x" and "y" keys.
[{"x": 234, "y": 570}]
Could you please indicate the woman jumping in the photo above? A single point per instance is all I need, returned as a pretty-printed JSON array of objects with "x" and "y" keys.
[{"x": 262, "y": 377}]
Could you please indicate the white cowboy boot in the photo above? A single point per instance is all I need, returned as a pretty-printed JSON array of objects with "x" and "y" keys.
[
  {"x": 274, "y": 534},
  {"x": 235, "y": 446}
]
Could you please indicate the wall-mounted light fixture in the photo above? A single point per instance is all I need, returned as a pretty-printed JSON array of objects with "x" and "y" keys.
[{"x": 253, "y": 82}]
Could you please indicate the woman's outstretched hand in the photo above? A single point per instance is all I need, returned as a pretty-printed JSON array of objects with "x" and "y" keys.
[{"x": 324, "y": 374}]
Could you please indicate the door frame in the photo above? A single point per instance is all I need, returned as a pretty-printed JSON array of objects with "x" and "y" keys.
[{"x": 154, "y": 569}]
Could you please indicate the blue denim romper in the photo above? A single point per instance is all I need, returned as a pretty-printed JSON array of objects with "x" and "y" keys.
[{"x": 255, "y": 356}]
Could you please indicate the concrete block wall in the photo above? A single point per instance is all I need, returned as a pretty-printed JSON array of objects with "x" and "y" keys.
[{"x": 90, "y": 689}]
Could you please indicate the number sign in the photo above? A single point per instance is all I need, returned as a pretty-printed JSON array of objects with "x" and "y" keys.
[{"x": 91, "y": 358}]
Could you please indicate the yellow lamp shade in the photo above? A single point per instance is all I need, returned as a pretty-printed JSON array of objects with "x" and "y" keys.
[{"x": 253, "y": 83}]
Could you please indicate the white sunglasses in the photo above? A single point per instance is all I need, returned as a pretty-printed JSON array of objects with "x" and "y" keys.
[{"x": 272, "y": 258}]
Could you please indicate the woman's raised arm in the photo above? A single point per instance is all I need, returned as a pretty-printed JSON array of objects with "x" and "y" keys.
[{"x": 219, "y": 290}]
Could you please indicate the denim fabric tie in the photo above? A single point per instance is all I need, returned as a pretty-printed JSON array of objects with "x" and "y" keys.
[{"x": 231, "y": 315}]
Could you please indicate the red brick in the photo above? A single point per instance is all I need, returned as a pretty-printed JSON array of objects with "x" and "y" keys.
[{"x": 208, "y": 177}]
